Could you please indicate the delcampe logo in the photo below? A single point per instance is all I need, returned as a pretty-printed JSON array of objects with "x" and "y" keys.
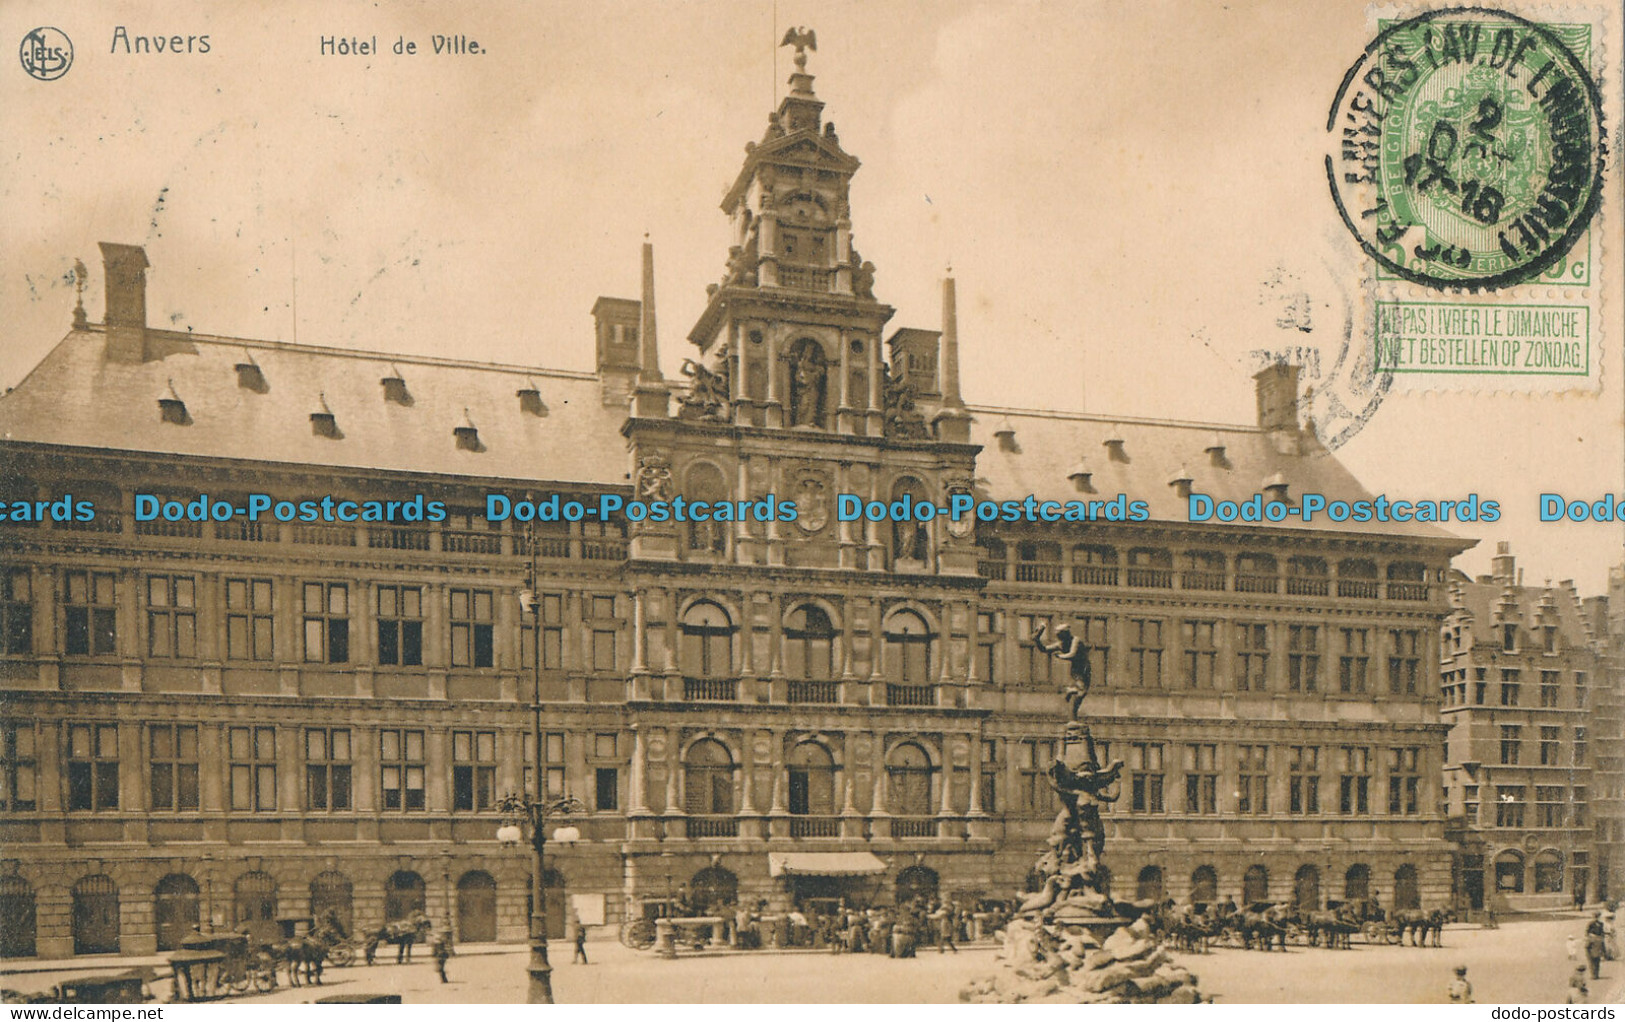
[{"x": 46, "y": 53}]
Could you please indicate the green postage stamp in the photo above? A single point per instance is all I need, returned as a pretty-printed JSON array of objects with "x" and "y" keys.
[{"x": 1467, "y": 153}]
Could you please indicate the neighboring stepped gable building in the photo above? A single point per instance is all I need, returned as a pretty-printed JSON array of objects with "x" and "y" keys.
[
  {"x": 1533, "y": 758},
  {"x": 1608, "y": 727},
  {"x": 238, "y": 722}
]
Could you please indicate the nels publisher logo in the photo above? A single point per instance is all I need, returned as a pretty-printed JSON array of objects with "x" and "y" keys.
[{"x": 46, "y": 53}]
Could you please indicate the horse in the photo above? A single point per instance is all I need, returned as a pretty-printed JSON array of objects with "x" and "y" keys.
[
  {"x": 309, "y": 952},
  {"x": 1336, "y": 927},
  {"x": 1425, "y": 926},
  {"x": 402, "y": 933},
  {"x": 1266, "y": 927}
]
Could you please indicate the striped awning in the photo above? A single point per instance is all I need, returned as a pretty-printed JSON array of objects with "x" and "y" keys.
[{"x": 823, "y": 864}]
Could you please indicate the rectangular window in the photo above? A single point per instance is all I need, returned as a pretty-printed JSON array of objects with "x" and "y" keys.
[
  {"x": 252, "y": 751},
  {"x": 402, "y": 765},
  {"x": 471, "y": 642},
  {"x": 553, "y": 764},
  {"x": 1480, "y": 685},
  {"x": 1091, "y": 631},
  {"x": 1580, "y": 746},
  {"x": 1549, "y": 806},
  {"x": 990, "y": 776},
  {"x": 1145, "y": 777},
  {"x": 551, "y": 612},
  {"x": 1145, "y": 652},
  {"x": 249, "y": 621},
  {"x": 1303, "y": 779},
  {"x": 473, "y": 769},
  {"x": 1253, "y": 779},
  {"x": 1579, "y": 690},
  {"x": 1404, "y": 661},
  {"x": 1509, "y": 638},
  {"x": 18, "y": 768},
  {"x": 987, "y": 657},
  {"x": 16, "y": 612},
  {"x": 1033, "y": 759},
  {"x": 172, "y": 758},
  {"x": 1252, "y": 657},
  {"x": 327, "y": 622},
  {"x": 1033, "y": 665},
  {"x": 327, "y": 768},
  {"x": 1404, "y": 782},
  {"x": 400, "y": 625},
  {"x": 1548, "y": 690},
  {"x": 1201, "y": 652},
  {"x": 1509, "y": 687},
  {"x": 93, "y": 766},
  {"x": 1355, "y": 661},
  {"x": 1511, "y": 741},
  {"x": 1303, "y": 658},
  {"x": 1469, "y": 796},
  {"x": 1354, "y": 784},
  {"x": 171, "y": 616},
  {"x": 606, "y": 789},
  {"x": 89, "y": 618},
  {"x": 1578, "y": 803},
  {"x": 1549, "y": 737},
  {"x": 1509, "y": 802},
  {"x": 603, "y": 649},
  {"x": 1201, "y": 779}
]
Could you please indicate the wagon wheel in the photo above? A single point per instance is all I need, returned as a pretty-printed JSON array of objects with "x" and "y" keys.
[
  {"x": 639, "y": 934},
  {"x": 264, "y": 979},
  {"x": 1372, "y": 933},
  {"x": 236, "y": 984},
  {"x": 1395, "y": 935},
  {"x": 341, "y": 955}
]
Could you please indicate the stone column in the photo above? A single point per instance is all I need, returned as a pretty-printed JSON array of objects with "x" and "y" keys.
[
  {"x": 640, "y": 664},
  {"x": 775, "y": 403}
]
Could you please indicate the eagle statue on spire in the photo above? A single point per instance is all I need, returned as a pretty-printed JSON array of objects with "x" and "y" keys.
[{"x": 803, "y": 39}]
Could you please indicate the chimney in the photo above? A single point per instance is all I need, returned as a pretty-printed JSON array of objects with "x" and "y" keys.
[
  {"x": 615, "y": 323},
  {"x": 124, "y": 268},
  {"x": 650, "y": 399},
  {"x": 952, "y": 422},
  {"x": 1278, "y": 397},
  {"x": 1503, "y": 565}
]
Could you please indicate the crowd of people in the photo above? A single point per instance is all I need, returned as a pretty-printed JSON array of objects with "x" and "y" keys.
[{"x": 899, "y": 931}]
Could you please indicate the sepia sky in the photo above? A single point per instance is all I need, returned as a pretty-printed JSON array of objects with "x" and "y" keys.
[{"x": 1129, "y": 196}]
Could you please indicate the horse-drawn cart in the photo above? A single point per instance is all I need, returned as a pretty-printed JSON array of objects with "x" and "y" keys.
[{"x": 215, "y": 965}]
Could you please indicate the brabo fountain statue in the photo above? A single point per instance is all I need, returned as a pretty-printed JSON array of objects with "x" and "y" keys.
[{"x": 1069, "y": 942}]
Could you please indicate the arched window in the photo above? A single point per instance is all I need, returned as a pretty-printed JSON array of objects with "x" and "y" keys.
[
  {"x": 1038, "y": 561},
  {"x": 253, "y": 899},
  {"x": 1150, "y": 567},
  {"x": 17, "y": 925},
  {"x": 175, "y": 909},
  {"x": 1549, "y": 871},
  {"x": 809, "y": 644},
  {"x": 707, "y": 649},
  {"x": 705, "y": 482},
  {"x": 1255, "y": 885},
  {"x": 812, "y": 780},
  {"x": 908, "y": 774},
  {"x": 1094, "y": 565},
  {"x": 1202, "y": 569},
  {"x": 1255, "y": 573},
  {"x": 1509, "y": 872},
  {"x": 1306, "y": 888},
  {"x": 332, "y": 895},
  {"x": 477, "y": 906},
  {"x": 1357, "y": 882},
  {"x": 708, "y": 779},
  {"x": 916, "y": 883},
  {"x": 1357, "y": 577},
  {"x": 910, "y": 539},
  {"x": 712, "y": 889},
  {"x": 1148, "y": 886},
  {"x": 95, "y": 916},
  {"x": 1406, "y": 894},
  {"x": 1204, "y": 885},
  {"x": 908, "y": 649},
  {"x": 403, "y": 895}
]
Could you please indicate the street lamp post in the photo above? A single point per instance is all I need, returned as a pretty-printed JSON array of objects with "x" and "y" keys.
[{"x": 541, "y": 973}]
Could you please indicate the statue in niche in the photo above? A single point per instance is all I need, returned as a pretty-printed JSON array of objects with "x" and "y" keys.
[{"x": 809, "y": 382}]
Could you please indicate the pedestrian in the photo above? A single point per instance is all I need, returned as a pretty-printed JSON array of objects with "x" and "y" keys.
[
  {"x": 1596, "y": 945},
  {"x": 947, "y": 922},
  {"x": 1573, "y": 944},
  {"x": 581, "y": 946},
  {"x": 1578, "y": 990},
  {"x": 1610, "y": 934},
  {"x": 1460, "y": 991},
  {"x": 442, "y": 952}
]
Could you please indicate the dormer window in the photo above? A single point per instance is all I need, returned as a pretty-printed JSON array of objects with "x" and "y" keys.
[
  {"x": 1275, "y": 488},
  {"x": 1081, "y": 477},
  {"x": 1181, "y": 482},
  {"x": 468, "y": 436},
  {"x": 1215, "y": 452},
  {"x": 1548, "y": 638},
  {"x": 250, "y": 376},
  {"x": 172, "y": 409},
  {"x": 323, "y": 422},
  {"x": 395, "y": 390},
  {"x": 1114, "y": 446},
  {"x": 530, "y": 401},
  {"x": 1509, "y": 638},
  {"x": 1006, "y": 436}
]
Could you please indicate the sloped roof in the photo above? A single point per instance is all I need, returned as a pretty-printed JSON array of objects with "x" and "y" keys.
[
  {"x": 1050, "y": 446},
  {"x": 76, "y": 398},
  {"x": 1481, "y": 601}
]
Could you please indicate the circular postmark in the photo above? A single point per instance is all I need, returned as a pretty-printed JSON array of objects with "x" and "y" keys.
[
  {"x": 1465, "y": 148},
  {"x": 46, "y": 53}
]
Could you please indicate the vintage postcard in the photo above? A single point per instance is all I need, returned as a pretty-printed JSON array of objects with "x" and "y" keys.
[{"x": 1118, "y": 504}]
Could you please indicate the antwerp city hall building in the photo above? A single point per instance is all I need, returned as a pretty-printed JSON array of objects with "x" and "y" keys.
[{"x": 232, "y": 722}]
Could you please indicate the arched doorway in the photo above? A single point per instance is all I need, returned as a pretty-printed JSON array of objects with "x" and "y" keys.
[
  {"x": 1509, "y": 872},
  {"x": 403, "y": 895},
  {"x": 254, "y": 902},
  {"x": 17, "y": 925},
  {"x": 1148, "y": 885},
  {"x": 175, "y": 909},
  {"x": 712, "y": 888},
  {"x": 916, "y": 882},
  {"x": 477, "y": 906},
  {"x": 1549, "y": 871},
  {"x": 1306, "y": 888},
  {"x": 1406, "y": 893},
  {"x": 1204, "y": 885},
  {"x": 1357, "y": 882},
  {"x": 95, "y": 916},
  {"x": 332, "y": 893},
  {"x": 1255, "y": 885}
]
